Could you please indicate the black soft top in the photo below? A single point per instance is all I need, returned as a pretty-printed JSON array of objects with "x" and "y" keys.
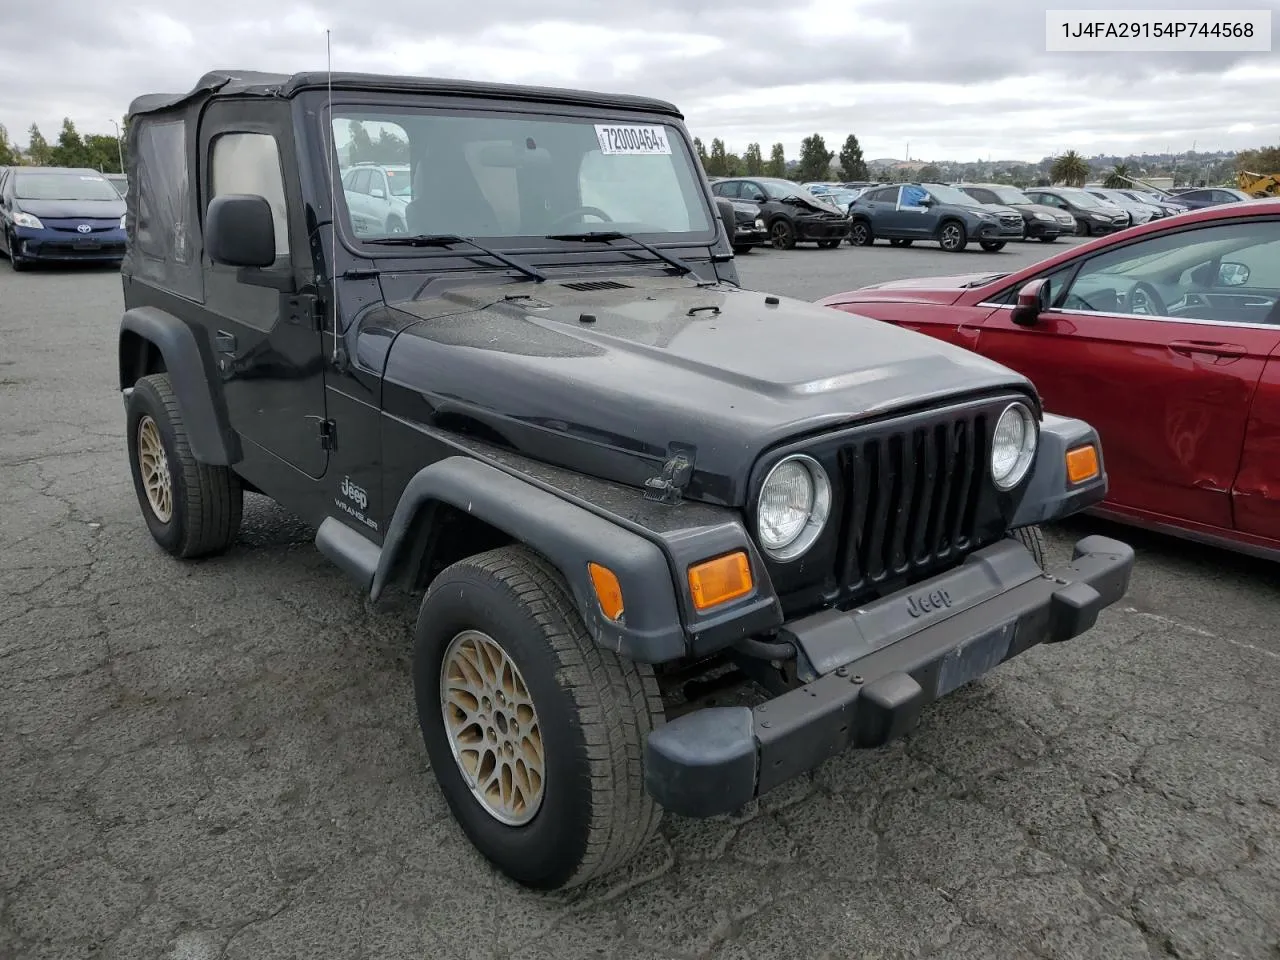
[{"x": 252, "y": 83}]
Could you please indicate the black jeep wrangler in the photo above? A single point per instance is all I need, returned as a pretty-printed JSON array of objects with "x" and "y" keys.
[{"x": 620, "y": 479}]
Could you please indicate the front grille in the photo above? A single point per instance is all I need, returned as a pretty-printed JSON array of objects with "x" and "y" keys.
[
  {"x": 1011, "y": 221},
  {"x": 910, "y": 499}
]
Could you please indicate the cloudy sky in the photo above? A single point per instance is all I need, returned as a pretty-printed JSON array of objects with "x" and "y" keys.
[{"x": 955, "y": 79}]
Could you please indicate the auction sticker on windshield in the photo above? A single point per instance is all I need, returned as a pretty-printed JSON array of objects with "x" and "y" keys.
[{"x": 632, "y": 140}]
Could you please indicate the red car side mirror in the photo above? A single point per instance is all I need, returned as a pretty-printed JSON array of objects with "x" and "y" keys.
[{"x": 1033, "y": 300}]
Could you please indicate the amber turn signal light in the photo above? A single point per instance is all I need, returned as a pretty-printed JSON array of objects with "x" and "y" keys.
[
  {"x": 720, "y": 580},
  {"x": 608, "y": 590},
  {"x": 1082, "y": 463}
]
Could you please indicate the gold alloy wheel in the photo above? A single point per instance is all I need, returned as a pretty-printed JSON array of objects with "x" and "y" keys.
[
  {"x": 154, "y": 466},
  {"x": 492, "y": 727}
]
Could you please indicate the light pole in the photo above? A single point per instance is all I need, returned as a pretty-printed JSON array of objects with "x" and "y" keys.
[{"x": 119, "y": 145}]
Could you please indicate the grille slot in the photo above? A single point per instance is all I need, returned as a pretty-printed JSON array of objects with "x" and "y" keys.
[
  {"x": 597, "y": 285},
  {"x": 910, "y": 498}
]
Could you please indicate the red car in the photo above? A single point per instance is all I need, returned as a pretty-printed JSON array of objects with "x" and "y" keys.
[{"x": 1165, "y": 337}]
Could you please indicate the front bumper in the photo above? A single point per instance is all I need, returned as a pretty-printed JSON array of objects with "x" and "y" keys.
[
  {"x": 744, "y": 234},
  {"x": 1046, "y": 228},
  {"x": 63, "y": 245},
  {"x": 878, "y": 666},
  {"x": 998, "y": 231},
  {"x": 822, "y": 229}
]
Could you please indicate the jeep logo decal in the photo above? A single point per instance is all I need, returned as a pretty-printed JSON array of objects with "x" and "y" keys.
[
  {"x": 918, "y": 604},
  {"x": 356, "y": 495}
]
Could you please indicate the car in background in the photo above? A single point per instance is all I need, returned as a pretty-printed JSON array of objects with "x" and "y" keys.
[
  {"x": 1198, "y": 198},
  {"x": 60, "y": 214},
  {"x": 378, "y": 196},
  {"x": 937, "y": 212},
  {"x": 749, "y": 230},
  {"x": 1165, "y": 337},
  {"x": 841, "y": 197},
  {"x": 1139, "y": 211},
  {"x": 791, "y": 213},
  {"x": 120, "y": 181},
  {"x": 1092, "y": 216},
  {"x": 1039, "y": 222},
  {"x": 1166, "y": 203}
]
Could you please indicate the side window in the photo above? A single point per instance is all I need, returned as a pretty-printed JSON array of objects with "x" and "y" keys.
[
  {"x": 728, "y": 189},
  {"x": 1170, "y": 275},
  {"x": 884, "y": 195},
  {"x": 250, "y": 163},
  {"x": 360, "y": 181},
  {"x": 913, "y": 196},
  {"x": 378, "y": 184},
  {"x": 752, "y": 191},
  {"x": 159, "y": 223}
]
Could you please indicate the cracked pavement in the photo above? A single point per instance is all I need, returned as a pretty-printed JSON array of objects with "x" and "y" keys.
[{"x": 220, "y": 759}]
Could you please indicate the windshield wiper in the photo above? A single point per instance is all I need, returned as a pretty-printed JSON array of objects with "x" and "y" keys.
[
  {"x": 608, "y": 236},
  {"x": 449, "y": 240},
  {"x": 980, "y": 281}
]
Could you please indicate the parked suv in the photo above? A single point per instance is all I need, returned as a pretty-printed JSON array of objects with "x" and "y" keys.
[
  {"x": 904, "y": 213},
  {"x": 377, "y": 196},
  {"x": 1039, "y": 222},
  {"x": 606, "y": 467},
  {"x": 791, "y": 213},
  {"x": 1092, "y": 216}
]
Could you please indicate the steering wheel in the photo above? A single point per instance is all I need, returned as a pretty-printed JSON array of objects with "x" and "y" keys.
[
  {"x": 1145, "y": 300},
  {"x": 581, "y": 212}
]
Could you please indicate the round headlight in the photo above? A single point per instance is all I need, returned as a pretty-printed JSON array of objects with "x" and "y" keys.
[
  {"x": 795, "y": 502},
  {"x": 1013, "y": 446}
]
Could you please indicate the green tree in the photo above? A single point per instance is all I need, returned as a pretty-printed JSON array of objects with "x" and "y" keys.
[
  {"x": 700, "y": 149},
  {"x": 753, "y": 160},
  {"x": 390, "y": 148},
  {"x": 734, "y": 165},
  {"x": 69, "y": 150},
  {"x": 38, "y": 149},
  {"x": 8, "y": 152},
  {"x": 717, "y": 163},
  {"x": 777, "y": 165},
  {"x": 102, "y": 152},
  {"x": 852, "y": 164},
  {"x": 930, "y": 173},
  {"x": 361, "y": 149},
  {"x": 815, "y": 159},
  {"x": 1118, "y": 178},
  {"x": 1070, "y": 169}
]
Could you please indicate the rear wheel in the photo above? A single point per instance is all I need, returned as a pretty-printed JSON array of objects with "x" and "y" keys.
[
  {"x": 535, "y": 733},
  {"x": 860, "y": 234},
  {"x": 782, "y": 234},
  {"x": 192, "y": 509}
]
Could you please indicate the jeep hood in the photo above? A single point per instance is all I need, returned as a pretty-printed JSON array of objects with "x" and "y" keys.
[{"x": 606, "y": 379}]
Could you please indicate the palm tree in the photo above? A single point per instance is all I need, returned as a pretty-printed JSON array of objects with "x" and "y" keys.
[
  {"x": 1070, "y": 169},
  {"x": 1118, "y": 178}
]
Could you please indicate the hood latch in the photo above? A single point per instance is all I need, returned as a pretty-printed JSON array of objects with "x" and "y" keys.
[{"x": 676, "y": 472}]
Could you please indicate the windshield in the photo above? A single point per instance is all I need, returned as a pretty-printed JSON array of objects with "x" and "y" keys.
[
  {"x": 1082, "y": 198},
  {"x": 781, "y": 189},
  {"x": 63, "y": 186},
  {"x": 1009, "y": 195},
  {"x": 517, "y": 176},
  {"x": 840, "y": 195},
  {"x": 946, "y": 194}
]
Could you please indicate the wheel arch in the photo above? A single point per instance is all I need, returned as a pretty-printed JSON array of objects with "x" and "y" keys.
[
  {"x": 153, "y": 341},
  {"x": 459, "y": 497}
]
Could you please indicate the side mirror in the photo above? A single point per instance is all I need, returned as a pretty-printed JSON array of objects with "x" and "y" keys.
[
  {"x": 926, "y": 201},
  {"x": 1232, "y": 274},
  {"x": 378, "y": 193},
  {"x": 1033, "y": 300},
  {"x": 239, "y": 231},
  {"x": 729, "y": 217}
]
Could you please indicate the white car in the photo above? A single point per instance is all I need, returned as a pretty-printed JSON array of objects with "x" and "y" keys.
[
  {"x": 1138, "y": 211},
  {"x": 377, "y": 195}
]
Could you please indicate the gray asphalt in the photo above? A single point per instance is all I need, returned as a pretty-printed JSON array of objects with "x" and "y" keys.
[{"x": 220, "y": 759}]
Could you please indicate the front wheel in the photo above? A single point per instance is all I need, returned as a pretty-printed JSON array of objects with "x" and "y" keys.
[
  {"x": 14, "y": 260},
  {"x": 1033, "y": 539},
  {"x": 992, "y": 246},
  {"x": 783, "y": 235},
  {"x": 535, "y": 733},
  {"x": 860, "y": 234},
  {"x": 952, "y": 237}
]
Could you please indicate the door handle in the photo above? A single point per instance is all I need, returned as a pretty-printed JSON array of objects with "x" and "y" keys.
[
  {"x": 224, "y": 342},
  {"x": 1189, "y": 348}
]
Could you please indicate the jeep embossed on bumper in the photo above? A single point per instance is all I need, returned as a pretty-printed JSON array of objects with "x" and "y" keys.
[{"x": 873, "y": 669}]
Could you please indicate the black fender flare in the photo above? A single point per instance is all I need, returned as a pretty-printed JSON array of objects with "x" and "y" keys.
[
  {"x": 211, "y": 440},
  {"x": 568, "y": 535},
  {"x": 1049, "y": 494}
]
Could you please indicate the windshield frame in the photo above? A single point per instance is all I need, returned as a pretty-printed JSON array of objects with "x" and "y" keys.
[
  {"x": 319, "y": 122},
  {"x": 74, "y": 175}
]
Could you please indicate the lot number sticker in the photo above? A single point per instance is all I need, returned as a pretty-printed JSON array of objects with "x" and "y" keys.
[{"x": 632, "y": 140}]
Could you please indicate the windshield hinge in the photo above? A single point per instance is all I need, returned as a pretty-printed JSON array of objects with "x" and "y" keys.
[{"x": 676, "y": 472}]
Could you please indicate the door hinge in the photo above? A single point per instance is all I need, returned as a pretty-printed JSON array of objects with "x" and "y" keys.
[
  {"x": 305, "y": 309},
  {"x": 676, "y": 473},
  {"x": 328, "y": 435}
]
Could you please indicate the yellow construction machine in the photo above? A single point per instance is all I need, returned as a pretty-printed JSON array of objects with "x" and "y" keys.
[{"x": 1259, "y": 184}]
